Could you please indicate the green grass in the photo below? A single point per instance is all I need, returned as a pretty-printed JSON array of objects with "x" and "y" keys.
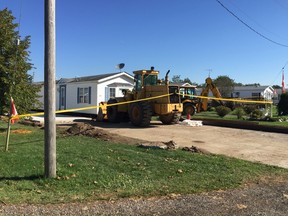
[
  {"x": 213, "y": 115},
  {"x": 89, "y": 169}
]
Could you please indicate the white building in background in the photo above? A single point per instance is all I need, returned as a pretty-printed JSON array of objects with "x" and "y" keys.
[
  {"x": 249, "y": 92},
  {"x": 254, "y": 92},
  {"x": 81, "y": 92}
]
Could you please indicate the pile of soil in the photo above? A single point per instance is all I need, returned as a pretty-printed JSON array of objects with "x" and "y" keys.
[
  {"x": 91, "y": 131},
  {"x": 83, "y": 129}
]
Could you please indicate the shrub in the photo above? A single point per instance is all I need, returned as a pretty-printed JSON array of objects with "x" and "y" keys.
[
  {"x": 211, "y": 109},
  {"x": 256, "y": 114},
  {"x": 283, "y": 105},
  {"x": 222, "y": 111},
  {"x": 239, "y": 112},
  {"x": 250, "y": 108}
]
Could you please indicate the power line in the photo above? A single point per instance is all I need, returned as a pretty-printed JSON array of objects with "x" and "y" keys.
[
  {"x": 279, "y": 73},
  {"x": 261, "y": 35}
]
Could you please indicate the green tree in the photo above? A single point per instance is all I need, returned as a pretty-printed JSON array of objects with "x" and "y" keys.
[
  {"x": 176, "y": 79},
  {"x": 225, "y": 85},
  {"x": 14, "y": 66},
  {"x": 276, "y": 87}
]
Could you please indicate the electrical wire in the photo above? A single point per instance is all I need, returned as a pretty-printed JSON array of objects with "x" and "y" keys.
[
  {"x": 252, "y": 29},
  {"x": 279, "y": 73},
  {"x": 257, "y": 23}
]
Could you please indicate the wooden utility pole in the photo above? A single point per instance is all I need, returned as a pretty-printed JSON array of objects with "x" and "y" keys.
[{"x": 49, "y": 91}]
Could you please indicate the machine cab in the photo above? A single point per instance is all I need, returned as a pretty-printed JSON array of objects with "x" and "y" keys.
[{"x": 145, "y": 78}]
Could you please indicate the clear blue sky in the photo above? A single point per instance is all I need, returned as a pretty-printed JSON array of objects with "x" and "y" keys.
[{"x": 186, "y": 36}]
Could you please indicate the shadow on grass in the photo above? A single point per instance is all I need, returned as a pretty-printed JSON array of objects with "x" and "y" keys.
[{"x": 21, "y": 178}]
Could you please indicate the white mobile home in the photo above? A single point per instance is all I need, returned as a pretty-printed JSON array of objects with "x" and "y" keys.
[
  {"x": 253, "y": 92},
  {"x": 81, "y": 92}
]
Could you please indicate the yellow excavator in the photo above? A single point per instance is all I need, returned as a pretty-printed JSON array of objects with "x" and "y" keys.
[
  {"x": 149, "y": 97},
  {"x": 203, "y": 102},
  {"x": 192, "y": 104}
]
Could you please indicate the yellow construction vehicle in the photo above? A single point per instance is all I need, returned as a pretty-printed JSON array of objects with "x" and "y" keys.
[
  {"x": 189, "y": 102},
  {"x": 203, "y": 102},
  {"x": 146, "y": 86}
]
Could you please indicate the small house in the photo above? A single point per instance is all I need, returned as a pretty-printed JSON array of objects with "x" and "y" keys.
[
  {"x": 253, "y": 92},
  {"x": 81, "y": 92}
]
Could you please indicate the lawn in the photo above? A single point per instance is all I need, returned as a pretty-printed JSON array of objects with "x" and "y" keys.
[
  {"x": 279, "y": 121},
  {"x": 89, "y": 169}
]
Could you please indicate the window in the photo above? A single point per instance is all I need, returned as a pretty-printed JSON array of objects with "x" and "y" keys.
[
  {"x": 150, "y": 79},
  {"x": 84, "y": 95},
  {"x": 256, "y": 95},
  {"x": 112, "y": 92},
  {"x": 138, "y": 82}
]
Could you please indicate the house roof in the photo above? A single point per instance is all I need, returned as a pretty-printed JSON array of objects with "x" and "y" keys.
[
  {"x": 90, "y": 78},
  {"x": 182, "y": 84},
  {"x": 117, "y": 84},
  {"x": 251, "y": 88}
]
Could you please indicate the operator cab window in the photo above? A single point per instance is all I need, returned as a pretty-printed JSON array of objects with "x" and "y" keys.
[
  {"x": 138, "y": 82},
  {"x": 150, "y": 80}
]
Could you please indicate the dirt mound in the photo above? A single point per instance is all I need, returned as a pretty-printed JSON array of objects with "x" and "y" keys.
[
  {"x": 194, "y": 149},
  {"x": 88, "y": 130},
  {"x": 85, "y": 129},
  {"x": 91, "y": 131}
]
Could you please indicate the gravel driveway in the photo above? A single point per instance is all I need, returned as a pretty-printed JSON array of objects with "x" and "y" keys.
[
  {"x": 256, "y": 146},
  {"x": 265, "y": 198}
]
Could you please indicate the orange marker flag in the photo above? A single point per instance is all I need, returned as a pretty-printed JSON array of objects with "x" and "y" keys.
[{"x": 13, "y": 112}]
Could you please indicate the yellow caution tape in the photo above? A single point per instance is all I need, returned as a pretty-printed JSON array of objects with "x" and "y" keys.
[
  {"x": 144, "y": 99},
  {"x": 230, "y": 99},
  {"x": 90, "y": 107}
]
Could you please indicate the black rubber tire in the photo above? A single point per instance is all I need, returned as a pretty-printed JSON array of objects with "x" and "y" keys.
[
  {"x": 100, "y": 116},
  {"x": 112, "y": 112},
  {"x": 140, "y": 114},
  {"x": 189, "y": 108},
  {"x": 172, "y": 118}
]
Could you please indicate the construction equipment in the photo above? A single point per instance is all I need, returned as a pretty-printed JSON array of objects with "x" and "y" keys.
[
  {"x": 149, "y": 97},
  {"x": 189, "y": 102},
  {"x": 203, "y": 102}
]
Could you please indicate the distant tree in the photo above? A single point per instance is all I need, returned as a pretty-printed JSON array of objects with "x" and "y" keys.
[
  {"x": 187, "y": 80},
  {"x": 276, "y": 87},
  {"x": 238, "y": 84},
  {"x": 253, "y": 84},
  {"x": 14, "y": 66},
  {"x": 176, "y": 79},
  {"x": 225, "y": 85}
]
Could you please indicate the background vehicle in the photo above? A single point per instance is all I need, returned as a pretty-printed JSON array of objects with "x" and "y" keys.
[
  {"x": 165, "y": 101},
  {"x": 189, "y": 102}
]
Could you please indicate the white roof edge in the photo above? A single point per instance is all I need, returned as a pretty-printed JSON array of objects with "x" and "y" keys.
[{"x": 116, "y": 75}]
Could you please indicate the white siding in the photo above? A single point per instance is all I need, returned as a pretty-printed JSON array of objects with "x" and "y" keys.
[{"x": 97, "y": 91}]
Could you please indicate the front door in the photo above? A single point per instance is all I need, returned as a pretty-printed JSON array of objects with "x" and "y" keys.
[{"x": 62, "y": 97}]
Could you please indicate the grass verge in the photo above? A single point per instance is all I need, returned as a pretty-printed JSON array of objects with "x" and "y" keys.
[
  {"x": 89, "y": 169},
  {"x": 213, "y": 115}
]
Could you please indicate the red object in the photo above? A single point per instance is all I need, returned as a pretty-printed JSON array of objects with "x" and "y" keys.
[
  {"x": 283, "y": 84},
  {"x": 188, "y": 116},
  {"x": 13, "y": 112}
]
